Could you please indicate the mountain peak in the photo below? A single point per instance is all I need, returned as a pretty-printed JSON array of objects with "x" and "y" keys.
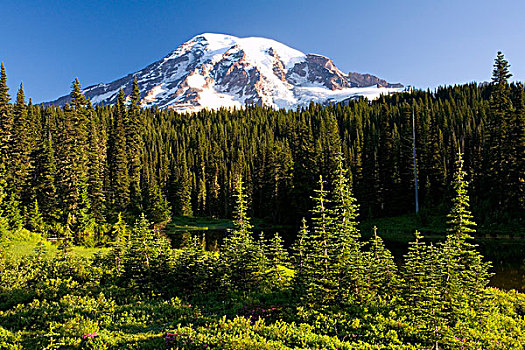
[{"x": 218, "y": 70}]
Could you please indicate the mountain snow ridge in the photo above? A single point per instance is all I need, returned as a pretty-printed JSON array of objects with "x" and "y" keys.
[{"x": 218, "y": 70}]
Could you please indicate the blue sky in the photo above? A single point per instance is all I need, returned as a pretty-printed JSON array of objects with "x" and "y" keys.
[{"x": 47, "y": 43}]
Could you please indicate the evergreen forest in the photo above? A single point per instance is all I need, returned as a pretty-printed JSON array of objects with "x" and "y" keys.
[{"x": 88, "y": 194}]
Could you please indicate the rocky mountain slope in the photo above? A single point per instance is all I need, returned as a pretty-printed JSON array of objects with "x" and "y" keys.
[{"x": 217, "y": 70}]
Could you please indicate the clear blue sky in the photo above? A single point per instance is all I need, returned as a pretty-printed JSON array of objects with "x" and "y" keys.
[{"x": 425, "y": 43}]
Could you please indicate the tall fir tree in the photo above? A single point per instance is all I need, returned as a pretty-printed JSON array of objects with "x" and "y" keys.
[
  {"x": 301, "y": 249},
  {"x": 382, "y": 273},
  {"x": 243, "y": 261},
  {"x": 157, "y": 206},
  {"x": 497, "y": 149},
  {"x": 118, "y": 158},
  {"x": 278, "y": 261},
  {"x": 348, "y": 257},
  {"x": 97, "y": 165},
  {"x": 73, "y": 154},
  {"x": 135, "y": 146},
  {"x": 6, "y": 118},
  {"x": 21, "y": 164},
  {"x": 322, "y": 282},
  {"x": 465, "y": 274},
  {"x": 45, "y": 177},
  {"x": 422, "y": 293},
  {"x": 4, "y": 224},
  {"x": 515, "y": 176},
  {"x": 183, "y": 190}
]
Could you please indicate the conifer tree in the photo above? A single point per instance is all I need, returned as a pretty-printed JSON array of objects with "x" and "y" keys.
[
  {"x": 278, "y": 259},
  {"x": 322, "y": 280},
  {"x": 422, "y": 291},
  {"x": 380, "y": 268},
  {"x": 329, "y": 146},
  {"x": 194, "y": 268},
  {"x": 243, "y": 262},
  {"x": 6, "y": 117},
  {"x": 497, "y": 130},
  {"x": 465, "y": 273},
  {"x": 300, "y": 258},
  {"x": 348, "y": 259},
  {"x": 73, "y": 155},
  {"x": 183, "y": 191},
  {"x": 135, "y": 145},
  {"x": 157, "y": 207},
  {"x": 45, "y": 174},
  {"x": 119, "y": 234},
  {"x": 415, "y": 276},
  {"x": 97, "y": 167},
  {"x": 305, "y": 167},
  {"x": 84, "y": 227},
  {"x": 118, "y": 158},
  {"x": 460, "y": 219},
  {"x": 35, "y": 221},
  {"x": 13, "y": 212},
  {"x": 147, "y": 260},
  {"x": 4, "y": 225},
  {"x": 515, "y": 179},
  {"x": 21, "y": 164}
]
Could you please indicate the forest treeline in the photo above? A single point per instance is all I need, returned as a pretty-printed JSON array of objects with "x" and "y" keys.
[{"x": 77, "y": 167}]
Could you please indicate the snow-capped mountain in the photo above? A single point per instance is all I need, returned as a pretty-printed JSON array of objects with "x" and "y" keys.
[{"x": 217, "y": 70}]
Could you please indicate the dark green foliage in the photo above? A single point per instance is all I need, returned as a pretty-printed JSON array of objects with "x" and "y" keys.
[
  {"x": 6, "y": 118},
  {"x": 278, "y": 261},
  {"x": 35, "y": 220},
  {"x": 504, "y": 150},
  {"x": 301, "y": 249},
  {"x": 348, "y": 260},
  {"x": 423, "y": 292},
  {"x": 45, "y": 172},
  {"x": 183, "y": 191},
  {"x": 118, "y": 159},
  {"x": 13, "y": 212},
  {"x": 21, "y": 147},
  {"x": 243, "y": 262},
  {"x": 321, "y": 279},
  {"x": 195, "y": 270},
  {"x": 97, "y": 166},
  {"x": 72, "y": 155},
  {"x": 466, "y": 274},
  {"x": 134, "y": 160},
  {"x": 156, "y": 205},
  {"x": 147, "y": 258},
  {"x": 4, "y": 224},
  {"x": 380, "y": 269},
  {"x": 135, "y": 146}
]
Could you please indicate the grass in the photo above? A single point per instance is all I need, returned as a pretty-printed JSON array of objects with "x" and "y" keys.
[
  {"x": 18, "y": 249},
  {"x": 24, "y": 243},
  {"x": 187, "y": 223}
]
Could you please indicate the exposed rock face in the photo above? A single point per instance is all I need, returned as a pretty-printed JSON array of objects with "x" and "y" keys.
[
  {"x": 216, "y": 70},
  {"x": 318, "y": 70}
]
